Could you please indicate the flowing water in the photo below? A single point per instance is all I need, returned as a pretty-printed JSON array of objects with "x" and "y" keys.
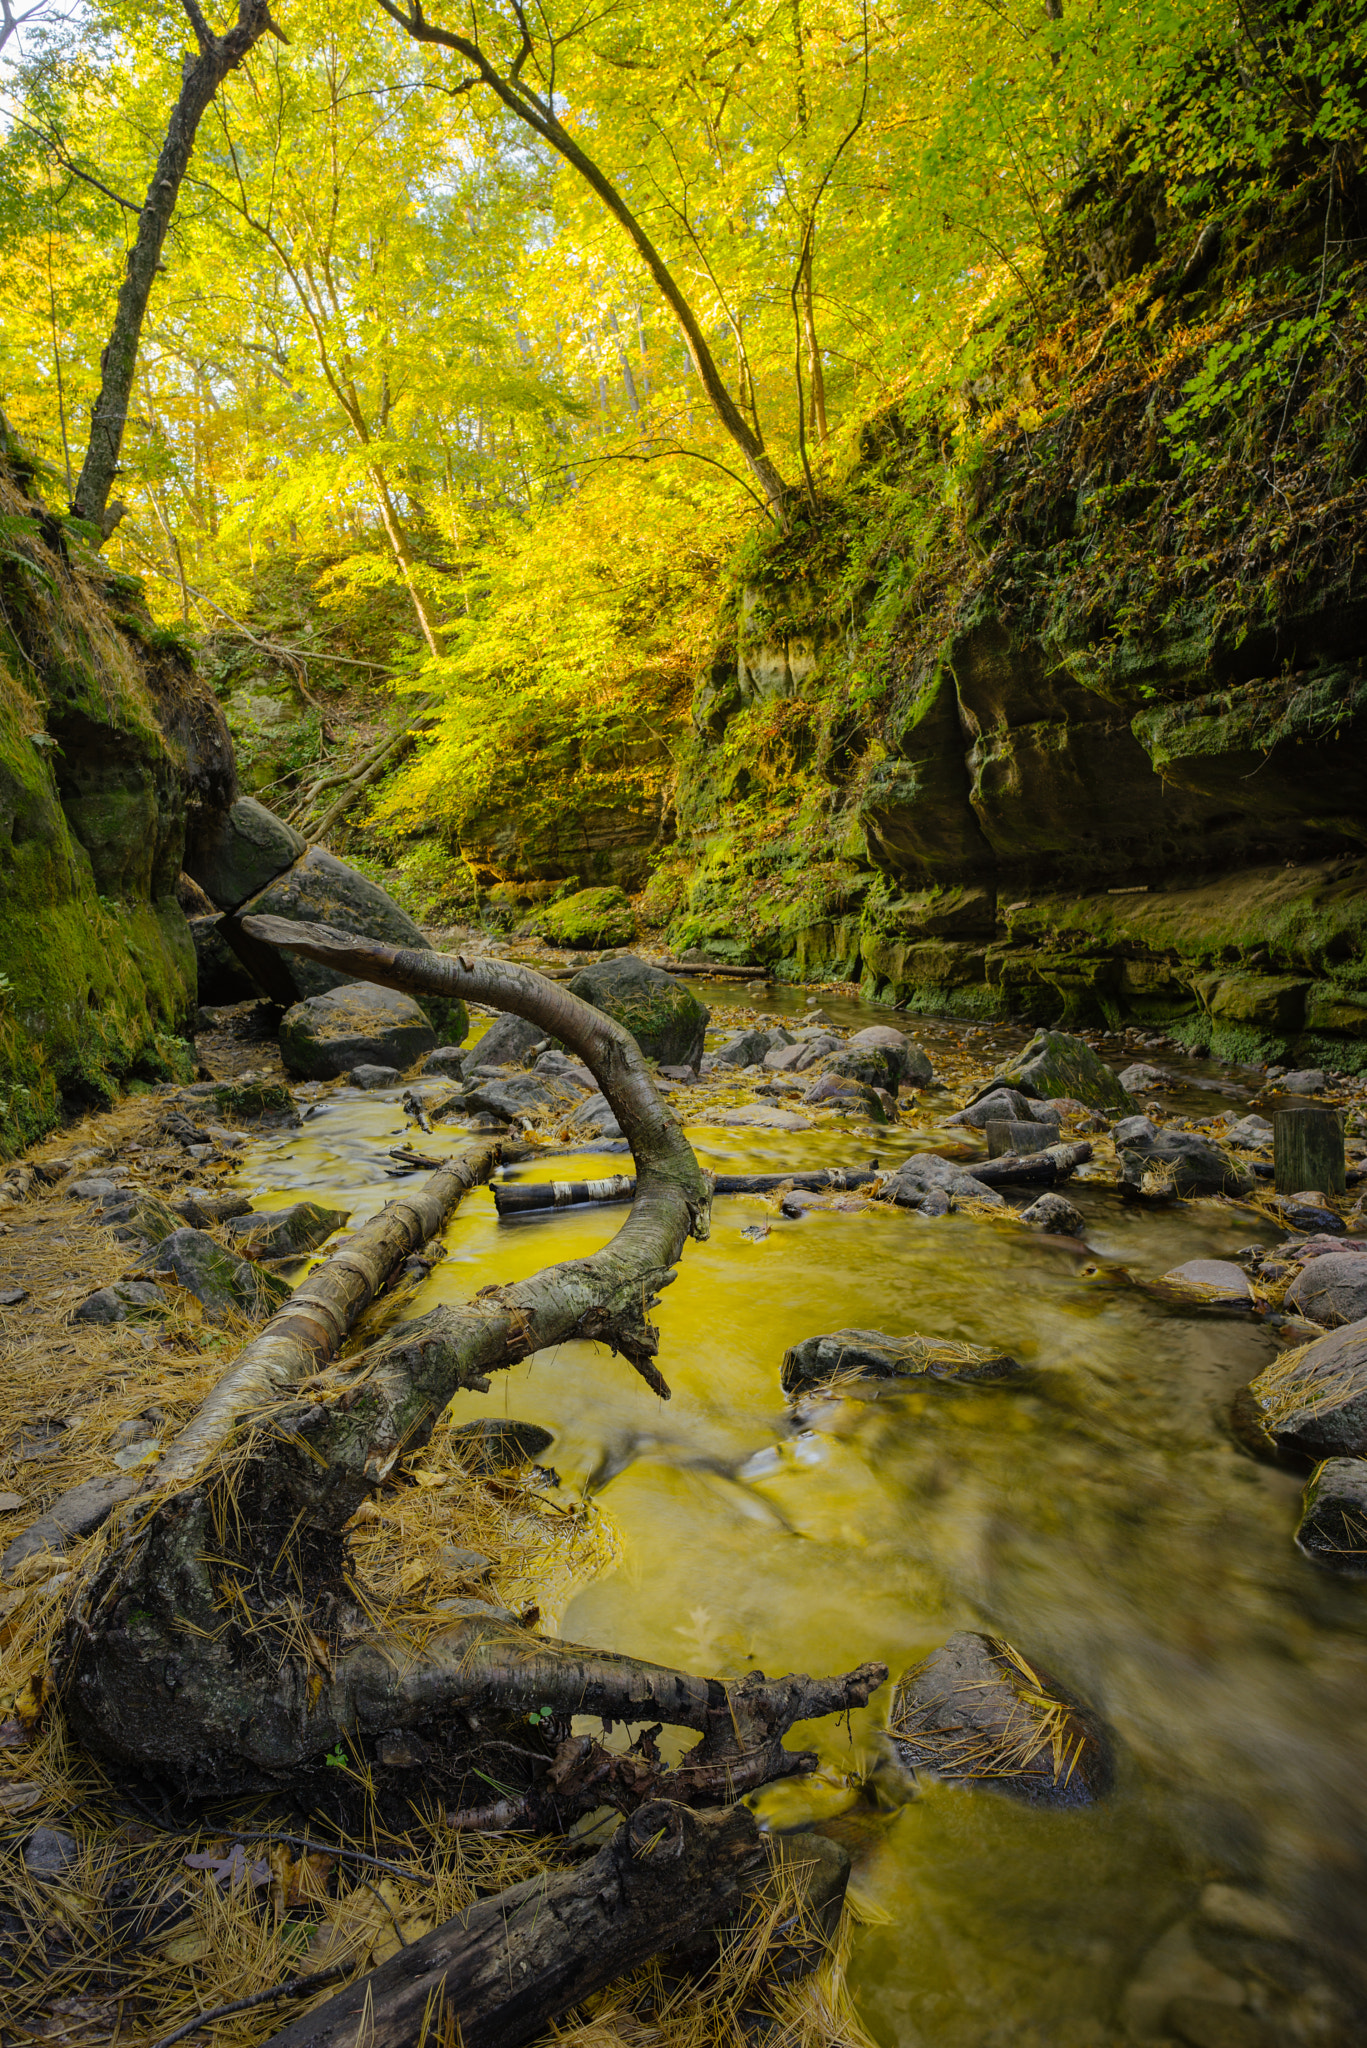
[{"x": 1099, "y": 1517}]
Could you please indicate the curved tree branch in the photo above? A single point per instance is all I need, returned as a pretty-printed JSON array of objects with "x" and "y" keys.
[{"x": 223, "y": 1639}]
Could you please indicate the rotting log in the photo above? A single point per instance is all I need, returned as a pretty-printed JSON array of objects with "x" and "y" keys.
[
  {"x": 496, "y": 1975},
  {"x": 223, "y": 1641},
  {"x": 518, "y": 1198},
  {"x": 299, "y": 1338},
  {"x": 1307, "y": 1151}
]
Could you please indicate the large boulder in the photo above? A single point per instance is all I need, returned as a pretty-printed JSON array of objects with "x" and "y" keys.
[
  {"x": 665, "y": 1018},
  {"x": 589, "y": 919},
  {"x": 1003, "y": 1105},
  {"x": 320, "y": 889},
  {"x": 1057, "y": 1063},
  {"x": 509, "y": 1042},
  {"x": 1331, "y": 1289},
  {"x": 871, "y": 1354},
  {"x": 1178, "y": 1159},
  {"x": 234, "y": 853},
  {"x": 356, "y": 1025},
  {"x": 913, "y": 1064},
  {"x": 977, "y": 1713},
  {"x": 1314, "y": 1400}
]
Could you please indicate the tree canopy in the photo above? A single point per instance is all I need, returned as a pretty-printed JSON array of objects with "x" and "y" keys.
[{"x": 502, "y": 327}]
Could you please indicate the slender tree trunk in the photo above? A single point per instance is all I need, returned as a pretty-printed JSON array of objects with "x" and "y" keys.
[
  {"x": 536, "y": 113},
  {"x": 218, "y": 55},
  {"x": 815, "y": 375}
]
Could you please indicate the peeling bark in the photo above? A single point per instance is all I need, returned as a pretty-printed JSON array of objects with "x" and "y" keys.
[{"x": 224, "y": 1641}]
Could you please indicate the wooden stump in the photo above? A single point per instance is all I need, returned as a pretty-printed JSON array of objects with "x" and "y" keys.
[{"x": 1307, "y": 1151}]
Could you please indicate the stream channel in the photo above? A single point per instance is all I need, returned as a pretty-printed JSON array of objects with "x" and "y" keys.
[{"x": 1100, "y": 1518}]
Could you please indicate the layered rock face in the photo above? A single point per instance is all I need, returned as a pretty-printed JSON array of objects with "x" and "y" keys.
[{"x": 1071, "y": 726}]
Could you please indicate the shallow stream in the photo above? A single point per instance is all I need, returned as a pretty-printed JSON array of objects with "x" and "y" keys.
[{"x": 1099, "y": 1517}]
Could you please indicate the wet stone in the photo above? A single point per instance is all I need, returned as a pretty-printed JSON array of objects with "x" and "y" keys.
[
  {"x": 497, "y": 1444},
  {"x": 1315, "y": 1401},
  {"x": 872, "y": 1354},
  {"x": 1056, "y": 1063},
  {"x": 1055, "y": 1214},
  {"x": 913, "y": 1063},
  {"x": 1004, "y": 1138},
  {"x": 1331, "y": 1289},
  {"x": 1003, "y": 1105},
  {"x": 446, "y": 1063},
  {"x": 664, "y": 1016},
  {"x": 748, "y": 1048},
  {"x": 360, "y": 1024},
  {"x": 1209, "y": 1280},
  {"x": 509, "y": 1042},
  {"x": 1304, "y": 1081},
  {"x": 977, "y": 1712},
  {"x": 933, "y": 1185},
  {"x": 367, "y": 1076},
  {"x": 1178, "y": 1160},
  {"x": 1333, "y": 1524}
]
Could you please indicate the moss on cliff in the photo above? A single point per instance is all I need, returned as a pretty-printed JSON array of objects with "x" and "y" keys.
[{"x": 97, "y": 960}]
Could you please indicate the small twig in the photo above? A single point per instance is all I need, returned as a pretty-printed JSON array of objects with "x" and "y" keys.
[{"x": 297, "y": 1987}]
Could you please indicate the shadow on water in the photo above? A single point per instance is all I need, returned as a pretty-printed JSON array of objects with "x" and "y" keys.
[{"x": 1097, "y": 1515}]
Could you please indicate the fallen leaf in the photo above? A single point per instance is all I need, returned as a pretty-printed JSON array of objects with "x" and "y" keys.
[
  {"x": 185, "y": 1948},
  {"x": 12, "y": 1735},
  {"x": 29, "y": 1703},
  {"x": 426, "y": 1477},
  {"x": 232, "y": 1868},
  {"x": 413, "y": 1574},
  {"x": 19, "y": 1798}
]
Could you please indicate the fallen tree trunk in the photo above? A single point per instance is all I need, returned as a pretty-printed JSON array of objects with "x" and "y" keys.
[
  {"x": 496, "y": 1975},
  {"x": 323, "y": 1310},
  {"x": 225, "y": 1642},
  {"x": 519, "y": 1198}
]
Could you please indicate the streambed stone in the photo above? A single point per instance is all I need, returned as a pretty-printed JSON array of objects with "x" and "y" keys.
[
  {"x": 834, "y": 1091},
  {"x": 1181, "y": 1161},
  {"x": 913, "y": 1062},
  {"x": 509, "y": 1042},
  {"x": 1333, "y": 1524},
  {"x": 1331, "y": 1289},
  {"x": 278, "y": 1233},
  {"x": 977, "y": 1712},
  {"x": 1315, "y": 1400},
  {"x": 872, "y": 1354},
  {"x": 1054, "y": 1214},
  {"x": 748, "y": 1048},
  {"x": 933, "y": 1186},
  {"x": 1213, "y": 1280}
]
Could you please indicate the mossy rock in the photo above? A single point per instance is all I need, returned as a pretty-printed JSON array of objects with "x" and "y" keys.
[
  {"x": 1055, "y": 1063},
  {"x": 666, "y": 1019},
  {"x": 590, "y": 918}
]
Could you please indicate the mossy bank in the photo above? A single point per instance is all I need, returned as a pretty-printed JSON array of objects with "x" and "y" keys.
[{"x": 106, "y": 739}]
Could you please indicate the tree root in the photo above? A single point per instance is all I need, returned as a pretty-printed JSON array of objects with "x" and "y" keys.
[{"x": 223, "y": 1640}]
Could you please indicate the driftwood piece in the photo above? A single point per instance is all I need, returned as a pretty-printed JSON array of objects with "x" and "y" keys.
[
  {"x": 496, "y": 1975},
  {"x": 520, "y": 1198},
  {"x": 1307, "y": 1151},
  {"x": 225, "y": 1642}
]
